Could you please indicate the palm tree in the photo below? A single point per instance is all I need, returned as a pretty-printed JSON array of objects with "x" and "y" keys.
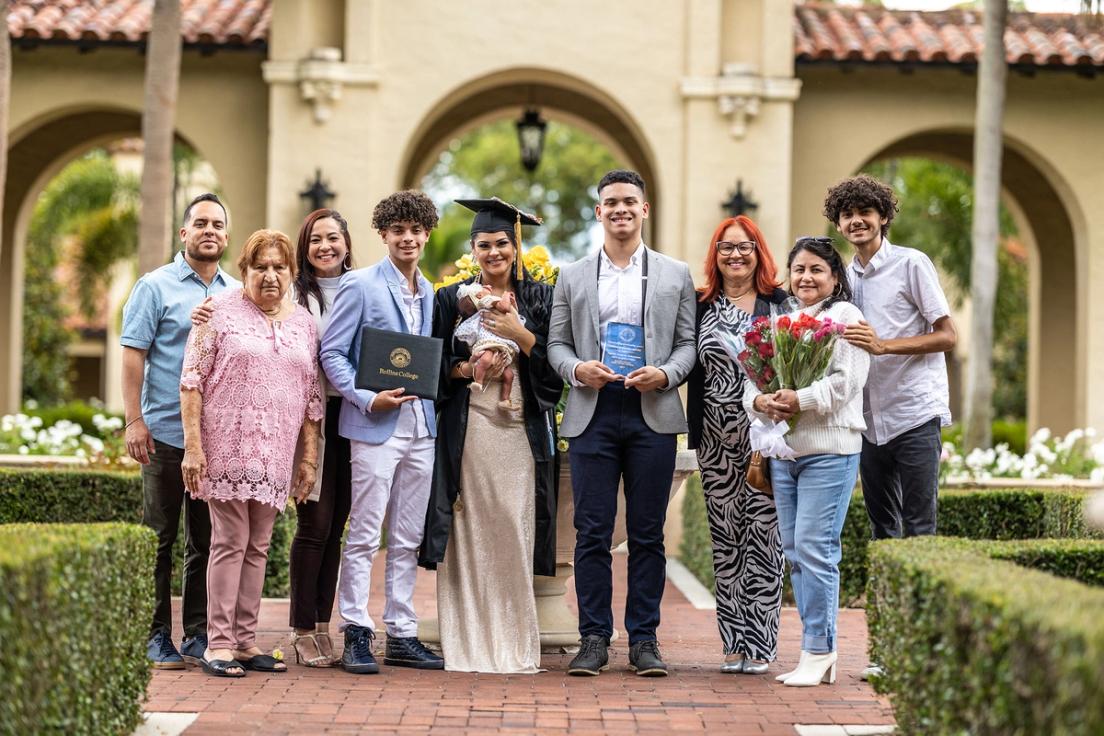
[
  {"x": 5, "y": 99},
  {"x": 158, "y": 122},
  {"x": 985, "y": 232}
]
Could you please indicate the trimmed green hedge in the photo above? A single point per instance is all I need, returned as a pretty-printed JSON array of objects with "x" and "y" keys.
[
  {"x": 74, "y": 619},
  {"x": 83, "y": 496},
  {"x": 975, "y": 642},
  {"x": 971, "y": 513}
]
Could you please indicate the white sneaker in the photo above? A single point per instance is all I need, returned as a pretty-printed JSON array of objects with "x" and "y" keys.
[{"x": 872, "y": 670}]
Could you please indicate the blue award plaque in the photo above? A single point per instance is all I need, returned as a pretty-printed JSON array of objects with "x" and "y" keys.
[{"x": 623, "y": 348}]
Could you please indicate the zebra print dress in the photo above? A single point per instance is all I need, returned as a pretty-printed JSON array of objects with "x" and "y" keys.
[{"x": 747, "y": 549}]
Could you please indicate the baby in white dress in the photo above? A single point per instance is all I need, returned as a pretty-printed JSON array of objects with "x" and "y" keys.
[{"x": 475, "y": 302}]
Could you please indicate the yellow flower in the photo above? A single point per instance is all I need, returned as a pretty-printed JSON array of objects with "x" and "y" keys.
[{"x": 278, "y": 654}]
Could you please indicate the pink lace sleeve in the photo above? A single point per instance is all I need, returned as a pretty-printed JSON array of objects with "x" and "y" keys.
[{"x": 199, "y": 357}]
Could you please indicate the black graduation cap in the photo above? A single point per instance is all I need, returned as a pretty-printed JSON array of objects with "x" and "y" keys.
[{"x": 493, "y": 215}]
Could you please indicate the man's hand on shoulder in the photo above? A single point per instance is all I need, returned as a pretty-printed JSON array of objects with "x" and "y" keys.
[{"x": 862, "y": 335}]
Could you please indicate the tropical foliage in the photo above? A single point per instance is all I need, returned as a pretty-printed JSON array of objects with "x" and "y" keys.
[{"x": 486, "y": 162}]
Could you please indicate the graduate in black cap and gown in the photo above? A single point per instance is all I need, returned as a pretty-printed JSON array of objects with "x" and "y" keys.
[{"x": 490, "y": 525}]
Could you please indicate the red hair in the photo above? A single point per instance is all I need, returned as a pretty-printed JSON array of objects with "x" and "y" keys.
[{"x": 766, "y": 272}]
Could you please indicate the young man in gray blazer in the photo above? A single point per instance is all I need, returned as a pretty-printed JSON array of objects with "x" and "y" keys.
[{"x": 622, "y": 425}]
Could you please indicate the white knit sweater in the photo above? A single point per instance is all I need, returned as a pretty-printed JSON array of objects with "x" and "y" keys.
[{"x": 831, "y": 418}]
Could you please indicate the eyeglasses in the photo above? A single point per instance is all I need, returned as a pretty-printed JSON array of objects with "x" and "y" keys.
[{"x": 744, "y": 247}]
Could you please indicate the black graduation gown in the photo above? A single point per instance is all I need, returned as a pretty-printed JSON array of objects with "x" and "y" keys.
[{"x": 541, "y": 388}]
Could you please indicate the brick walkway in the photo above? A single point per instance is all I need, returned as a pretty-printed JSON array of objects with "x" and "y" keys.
[{"x": 696, "y": 697}]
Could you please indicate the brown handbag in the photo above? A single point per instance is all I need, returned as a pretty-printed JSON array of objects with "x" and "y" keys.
[{"x": 758, "y": 475}]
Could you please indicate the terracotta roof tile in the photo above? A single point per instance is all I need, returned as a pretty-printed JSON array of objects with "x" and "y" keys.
[
  {"x": 871, "y": 34},
  {"x": 230, "y": 23},
  {"x": 821, "y": 32}
]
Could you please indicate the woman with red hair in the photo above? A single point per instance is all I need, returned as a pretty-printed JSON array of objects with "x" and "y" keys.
[{"x": 741, "y": 282}]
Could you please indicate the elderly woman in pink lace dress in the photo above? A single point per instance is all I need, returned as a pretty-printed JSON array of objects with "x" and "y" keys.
[{"x": 248, "y": 391}]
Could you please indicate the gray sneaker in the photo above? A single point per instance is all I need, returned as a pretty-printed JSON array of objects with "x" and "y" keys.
[{"x": 644, "y": 658}]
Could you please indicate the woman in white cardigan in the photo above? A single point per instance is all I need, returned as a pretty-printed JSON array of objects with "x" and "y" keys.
[{"x": 812, "y": 491}]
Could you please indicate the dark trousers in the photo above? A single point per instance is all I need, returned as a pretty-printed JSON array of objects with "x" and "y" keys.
[
  {"x": 163, "y": 496},
  {"x": 316, "y": 549},
  {"x": 616, "y": 445},
  {"x": 900, "y": 482}
]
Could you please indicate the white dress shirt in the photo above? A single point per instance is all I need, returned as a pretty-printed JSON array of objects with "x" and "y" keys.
[
  {"x": 899, "y": 293},
  {"x": 411, "y": 421},
  {"x": 619, "y": 293}
]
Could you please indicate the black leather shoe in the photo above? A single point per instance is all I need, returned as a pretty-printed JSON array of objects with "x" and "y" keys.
[
  {"x": 357, "y": 657},
  {"x": 409, "y": 652},
  {"x": 644, "y": 658},
  {"x": 593, "y": 656}
]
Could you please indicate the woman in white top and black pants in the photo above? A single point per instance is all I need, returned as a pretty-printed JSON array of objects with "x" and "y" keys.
[
  {"x": 812, "y": 492},
  {"x": 324, "y": 253}
]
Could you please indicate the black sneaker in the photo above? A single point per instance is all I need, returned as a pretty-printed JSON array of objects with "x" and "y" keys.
[
  {"x": 593, "y": 656},
  {"x": 193, "y": 647},
  {"x": 644, "y": 658},
  {"x": 161, "y": 652},
  {"x": 357, "y": 657},
  {"x": 409, "y": 652}
]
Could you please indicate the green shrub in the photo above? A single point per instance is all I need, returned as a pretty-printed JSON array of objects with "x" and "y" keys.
[
  {"x": 696, "y": 548},
  {"x": 974, "y": 642},
  {"x": 83, "y": 496},
  {"x": 971, "y": 513},
  {"x": 74, "y": 619}
]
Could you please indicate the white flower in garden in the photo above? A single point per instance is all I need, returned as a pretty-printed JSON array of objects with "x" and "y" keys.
[
  {"x": 24, "y": 450},
  {"x": 31, "y": 404},
  {"x": 1042, "y": 434},
  {"x": 35, "y": 422},
  {"x": 1097, "y": 475},
  {"x": 1090, "y": 432},
  {"x": 27, "y": 434}
]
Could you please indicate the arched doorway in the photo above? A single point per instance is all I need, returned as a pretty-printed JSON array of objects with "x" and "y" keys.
[
  {"x": 507, "y": 94},
  {"x": 36, "y": 156},
  {"x": 1055, "y": 347}
]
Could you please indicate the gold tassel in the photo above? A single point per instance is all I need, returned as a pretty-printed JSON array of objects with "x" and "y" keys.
[{"x": 517, "y": 237}]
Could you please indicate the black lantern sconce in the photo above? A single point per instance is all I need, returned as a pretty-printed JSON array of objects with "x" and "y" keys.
[
  {"x": 317, "y": 193},
  {"x": 738, "y": 203},
  {"x": 530, "y": 130}
]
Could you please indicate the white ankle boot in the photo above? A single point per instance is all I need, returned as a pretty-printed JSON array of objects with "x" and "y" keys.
[
  {"x": 786, "y": 675},
  {"x": 813, "y": 670}
]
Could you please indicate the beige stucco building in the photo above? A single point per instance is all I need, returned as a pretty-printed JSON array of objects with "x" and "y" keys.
[{"x": 696, "y": 94}]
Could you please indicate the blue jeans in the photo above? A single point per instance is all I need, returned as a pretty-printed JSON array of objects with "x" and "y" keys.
[{"x": 812, "y": 495}]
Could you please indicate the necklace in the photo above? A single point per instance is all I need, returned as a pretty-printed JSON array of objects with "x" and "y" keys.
[{"x": 741, "y": 295}]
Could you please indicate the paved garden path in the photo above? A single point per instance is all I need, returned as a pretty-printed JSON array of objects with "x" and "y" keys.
[{"x": 696, "y": 697}]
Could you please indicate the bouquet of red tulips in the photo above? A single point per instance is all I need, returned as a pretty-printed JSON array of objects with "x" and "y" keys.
[{"x": 784, "y": 350}]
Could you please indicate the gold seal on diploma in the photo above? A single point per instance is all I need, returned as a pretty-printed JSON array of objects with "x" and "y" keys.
[{"x": 400, "y": 357}]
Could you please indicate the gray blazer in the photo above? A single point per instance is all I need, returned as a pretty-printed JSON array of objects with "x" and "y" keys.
[{"x": 668, "y": 338}]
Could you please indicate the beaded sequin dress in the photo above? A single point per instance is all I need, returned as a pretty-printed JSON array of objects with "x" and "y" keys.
[{"x": 485, "y": 604}]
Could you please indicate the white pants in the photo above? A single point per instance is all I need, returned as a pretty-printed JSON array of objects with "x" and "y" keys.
[{"x": 391, "y": 479}]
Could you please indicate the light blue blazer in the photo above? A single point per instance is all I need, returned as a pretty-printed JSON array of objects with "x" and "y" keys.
[{"x": 369, "y": 296}]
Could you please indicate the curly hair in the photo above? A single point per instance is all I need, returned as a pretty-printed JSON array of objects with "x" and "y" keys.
[
  {"x": 860, "y": 192},
  {"x": 409, "y": 205}
]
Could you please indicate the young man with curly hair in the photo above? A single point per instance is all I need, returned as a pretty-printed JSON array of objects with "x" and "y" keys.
[
  {"x": 391, "y": 437},
  {"x": 908, "y": 327}
]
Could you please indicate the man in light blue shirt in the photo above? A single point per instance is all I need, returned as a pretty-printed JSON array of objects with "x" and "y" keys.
[{"x": 156, "y": 323}]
